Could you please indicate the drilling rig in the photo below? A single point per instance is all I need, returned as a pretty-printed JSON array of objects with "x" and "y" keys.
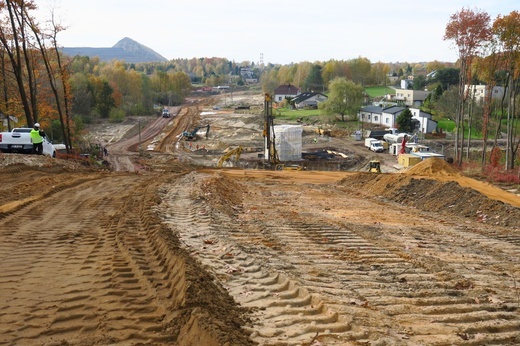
[
  {"x": 269, "y": 136},
  {"x": 271, "y": 156}
]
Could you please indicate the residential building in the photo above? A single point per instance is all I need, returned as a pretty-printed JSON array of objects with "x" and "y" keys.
[
  {"x": 308, "y": 100},
  {"x": 478, "y": 92},
  {"x": 387, "y": 117},
  {"x": 285, "y": 91},
  {"x": 424, "y": 120},
  {"x": 247, "y": 74},
  {"x": 406, "y": 84},
  {"x": 414, "y": 98}
]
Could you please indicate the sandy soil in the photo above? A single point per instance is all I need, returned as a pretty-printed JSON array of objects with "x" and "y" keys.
[{"x": 166, "y": 249}]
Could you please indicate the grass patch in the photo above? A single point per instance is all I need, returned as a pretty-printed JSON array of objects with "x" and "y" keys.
[
  {"x": 293, "y": 115},
  {"x": 446, "y": 125},
  {"x": 378, "y": 91}
]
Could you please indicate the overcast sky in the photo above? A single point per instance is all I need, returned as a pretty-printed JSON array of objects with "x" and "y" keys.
[{"x": 282, "y": 31}]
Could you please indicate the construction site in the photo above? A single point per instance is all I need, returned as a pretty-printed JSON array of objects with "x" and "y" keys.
[{"x": 221, "y": 226}]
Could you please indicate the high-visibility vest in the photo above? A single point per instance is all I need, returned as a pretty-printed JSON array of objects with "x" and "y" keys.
[{"x": 35, "y": 136}]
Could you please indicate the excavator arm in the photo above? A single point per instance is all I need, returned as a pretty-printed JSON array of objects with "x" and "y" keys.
[{"x": 227, "y": 156}]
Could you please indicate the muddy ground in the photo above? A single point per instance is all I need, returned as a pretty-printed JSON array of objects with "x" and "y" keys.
[{"x": 162, "y": 248}]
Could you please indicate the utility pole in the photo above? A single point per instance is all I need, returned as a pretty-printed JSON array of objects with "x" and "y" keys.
[{"x": 140, "y": 145}]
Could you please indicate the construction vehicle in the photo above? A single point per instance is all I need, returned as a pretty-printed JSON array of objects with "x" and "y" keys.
[
  {"x": 192, "y": 136},
  {"x": 228, "y": 155},
  {"x": 322, "y": 132},
  {"x": 374, "y": 166},
  {"x": 282, "y": 166},
  {"x": 374, "y": 144}
]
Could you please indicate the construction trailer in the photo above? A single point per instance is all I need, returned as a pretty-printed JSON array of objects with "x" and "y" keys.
[{"x": 408, "y": 160}]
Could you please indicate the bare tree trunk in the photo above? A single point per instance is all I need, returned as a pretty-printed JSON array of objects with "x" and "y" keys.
[
  {"x": 513, "y": 140},
  {"x": 11, "y": 44},
  {"x": 5, "y": 89},
  {"x": 485, "y": 125},
  {"x": 470, "y": 118}
]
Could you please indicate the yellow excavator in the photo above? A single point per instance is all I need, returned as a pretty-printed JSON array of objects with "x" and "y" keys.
[
  {"x": 374, "y": 166},
  {"x": 236, "y": 152}
]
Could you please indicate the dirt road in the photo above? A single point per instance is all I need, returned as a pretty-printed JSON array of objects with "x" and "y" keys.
[{"x": 169, "y": 254}]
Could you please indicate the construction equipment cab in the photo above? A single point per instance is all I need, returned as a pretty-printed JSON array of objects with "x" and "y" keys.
[
  {"x": 192, "y": 136},
  {"x": 374, "y": 166}
]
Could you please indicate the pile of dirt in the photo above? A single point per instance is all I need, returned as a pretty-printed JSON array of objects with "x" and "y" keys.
[
  {"x": 222, "y": 193},
  {"x": 433, "y": 166},
  {"x": 426, "y": 187}
]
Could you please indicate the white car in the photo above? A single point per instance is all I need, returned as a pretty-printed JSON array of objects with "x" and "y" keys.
[{"x": 19, "y": 141}]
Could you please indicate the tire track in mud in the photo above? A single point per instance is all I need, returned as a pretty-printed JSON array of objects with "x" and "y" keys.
[
  {"x": 283, "y": 311},
  {"x": 302, "y": 274},
  {"x": 85, "y": 264}
]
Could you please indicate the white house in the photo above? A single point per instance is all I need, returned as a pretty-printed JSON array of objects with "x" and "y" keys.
[
  {"x": 285, "y": 91},
  {"x": 478, "y": 92},
  {"x": 387, "y": 117},
  {"x": 426, "y": 124},
  {"x": 308, "y": 100},
  {"x": 411, "y": 97}
]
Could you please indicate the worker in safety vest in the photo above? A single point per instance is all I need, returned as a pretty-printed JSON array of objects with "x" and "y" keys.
[{"x": 37, "y": 136}]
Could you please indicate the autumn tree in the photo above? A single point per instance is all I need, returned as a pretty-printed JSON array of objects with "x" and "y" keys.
[
  {"x": 469, "y": 30},
  {"x": 487, "y": 68},
  {"x": 345, "y": 97},
  {"x": 269, "y": 81},
  {"x": 15, "y": 41},
  {"x": 360, "y": 68},
  {"x": 379, "y": 73},
  {"x": 434, "y": 66},
  {"x": 507, "y": 31},
  {"x": 302, "y": 71}
]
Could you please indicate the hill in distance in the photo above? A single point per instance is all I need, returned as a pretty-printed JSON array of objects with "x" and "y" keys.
[{"x": 126, "y": 49}]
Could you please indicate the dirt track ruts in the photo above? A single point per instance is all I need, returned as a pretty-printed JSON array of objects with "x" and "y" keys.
[
  {"x": 85, "y": 261},
  {"x": 317, "y": 261}
]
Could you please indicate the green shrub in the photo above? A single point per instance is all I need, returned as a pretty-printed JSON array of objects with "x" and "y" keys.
[{"x": 117, "y": 115}]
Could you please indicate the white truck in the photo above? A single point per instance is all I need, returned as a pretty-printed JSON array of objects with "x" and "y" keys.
[
  {"x": 19, "y": 141},
  {"x": 374, "y": 144}
]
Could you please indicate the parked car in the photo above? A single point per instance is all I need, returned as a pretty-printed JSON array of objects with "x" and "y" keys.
[{"x": 19, "y": 141}]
